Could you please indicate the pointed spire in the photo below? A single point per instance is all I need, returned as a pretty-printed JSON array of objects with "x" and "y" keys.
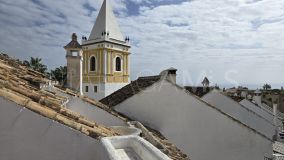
[
  {"x": 106, "y": 24},
  {"x": 205, "y": 82}
]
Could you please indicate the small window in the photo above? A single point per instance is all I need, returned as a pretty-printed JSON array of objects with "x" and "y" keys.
[
  {"x": 87, "y": 88},
  {"x": 93, "y": 64},
  {"x": 74, "y": 53},
  {"x": 118, "y": 64},
  {"x": 95, "y": 89}
]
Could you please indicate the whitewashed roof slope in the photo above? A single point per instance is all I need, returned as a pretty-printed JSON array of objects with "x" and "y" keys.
[{"x": 239, "y": 112}]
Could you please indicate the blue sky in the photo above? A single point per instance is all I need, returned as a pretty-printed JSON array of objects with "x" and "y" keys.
[{"x": 232, "y": 42}]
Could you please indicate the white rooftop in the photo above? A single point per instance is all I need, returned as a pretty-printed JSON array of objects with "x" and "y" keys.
[
  {"x": 131, "y": 148},
  {"x": 244, "y": 115},
  {"x": 106, "y": 23},
  {"x": 257, "y": 91}
]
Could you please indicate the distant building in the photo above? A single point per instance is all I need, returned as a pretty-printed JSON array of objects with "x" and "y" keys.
[
  {"x": 100, "y": 65},
  {"x": 201, "y": 90},
  {"x": 270, "y": 97},
  {"x": 198, "y": 90},
  {"x": 205, "y": 82},
  {"x": 239, "y": 92}
]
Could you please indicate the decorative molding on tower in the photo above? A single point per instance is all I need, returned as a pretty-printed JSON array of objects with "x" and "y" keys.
[
  {"x": 74, "y": 44},
  {"x": 105, "y": 42}
]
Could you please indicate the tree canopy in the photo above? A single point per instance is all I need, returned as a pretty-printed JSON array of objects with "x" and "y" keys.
[
  {"x": 59, "y": 74},
  {"x": 36, "y": 64},
  {"x": 266, "y": 86}
]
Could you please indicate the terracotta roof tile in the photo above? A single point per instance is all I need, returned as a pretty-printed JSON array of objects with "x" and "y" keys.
[
  {"x": 74, "y": 43},
  {"x": 198, "y": 91},
  {"x": 16, "y": 84}
]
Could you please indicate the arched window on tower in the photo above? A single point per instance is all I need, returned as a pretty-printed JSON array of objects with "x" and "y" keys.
[
  {"x": 93, "y": 64},
  {"x": 117, "y": 64}
]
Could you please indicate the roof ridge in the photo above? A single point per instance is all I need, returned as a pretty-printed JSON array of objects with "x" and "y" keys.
[
  {"x": 249, "y": 110},
  {"x": 130, "y": 90},
  {"x": 147, "y": 77},
  {"x": 212, "y": 106}
]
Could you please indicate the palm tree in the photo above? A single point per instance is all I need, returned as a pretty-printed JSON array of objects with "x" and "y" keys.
[
  {"x": 59, "y": 74},
  {"x": 36, "y": 64},
  {"x": 266, "y": 86}
]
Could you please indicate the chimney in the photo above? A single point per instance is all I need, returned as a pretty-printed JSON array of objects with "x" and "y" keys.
[
  {"x": 275, "y": 111},
  {"x": 74, "y": 37},
  {"x": 84, "y": 39},
  {"x": 170, "y": 74},
  {"x": 257, "y": 97}
]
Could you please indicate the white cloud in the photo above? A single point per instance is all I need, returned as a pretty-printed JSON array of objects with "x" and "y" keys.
[
  {"x": 220, "y": 37},
  {"x": 214, "y": 37}
]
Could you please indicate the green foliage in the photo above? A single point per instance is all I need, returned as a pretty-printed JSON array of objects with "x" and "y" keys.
[
  {"x": 36, "y": 64},
  {"x": 59, "y": 74},
  {"x": 266, "y": 86}
]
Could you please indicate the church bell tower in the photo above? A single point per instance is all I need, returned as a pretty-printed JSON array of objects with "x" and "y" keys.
[
  {"x": 105, "y": 56},
  {"x": 74, "y": 64}
]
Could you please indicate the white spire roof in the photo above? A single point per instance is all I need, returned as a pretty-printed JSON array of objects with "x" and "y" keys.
[{"x": 106, "y": 23}]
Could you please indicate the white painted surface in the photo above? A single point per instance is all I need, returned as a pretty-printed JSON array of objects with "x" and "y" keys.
[
  {"x": 112, "y": 87},
  {"x": 94, "y": 113},
  {"x": 91, "y": 93},
  {"x": 260, "y": 111},
  {"x": 132, "y": 148},
  {"x": 81, "y": 74},
  {"x": 199, "y": 130},
  {"x": 90, "y": 111},
  {"x": 106, "y": 22},
  {"x": 104, "y": 89},
  {"x": 241, "y": 113},
  {"x": 127, "y": 131},
  {"x": 25, "y": 135}
]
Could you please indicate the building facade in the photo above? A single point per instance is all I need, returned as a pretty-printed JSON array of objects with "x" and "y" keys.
[{"x": 105, "y": 56}]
